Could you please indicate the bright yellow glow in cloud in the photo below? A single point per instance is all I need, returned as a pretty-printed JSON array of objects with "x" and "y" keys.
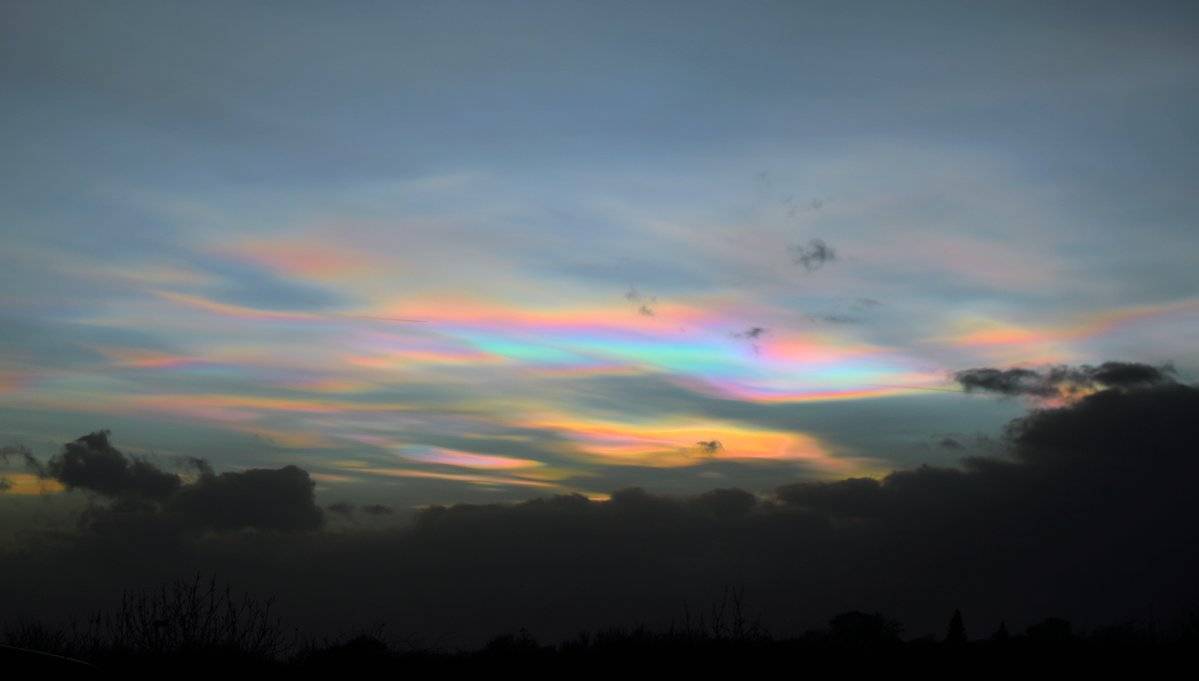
[
  {"x": 673, "y": 444},
  {"x": 28, "y": 484}
]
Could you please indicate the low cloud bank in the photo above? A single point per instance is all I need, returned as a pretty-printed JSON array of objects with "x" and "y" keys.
[
  {"x": 131, "y": 491},
  {"x": 1091, "y": 515}
]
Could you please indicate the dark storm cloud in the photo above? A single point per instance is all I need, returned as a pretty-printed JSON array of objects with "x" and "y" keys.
[
  {"x": 1123, "y": 446},
  {"x": 1088, "y": 513},
  {"x": 269, "y": 499},
  {"x": 342, "y": 508},
  {"x": 1150, "y": 428},
  {"x": 1005, "y": 381},
  {"x": 1127, "y": 374},
  {"x": 377, "y": 509},
  {"x": 91, "y": 463},
  {"x": 1064, "y": 379},
  {"x": 813, "y": 255},
  {"x": 138, "y": 493}
]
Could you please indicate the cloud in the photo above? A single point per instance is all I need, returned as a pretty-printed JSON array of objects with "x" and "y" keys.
[
  {"x": 726, "y": 503},
  {"x": 249, "y": 285},
  {"x": 1004, "y": 381},
  {"x": 138, "y": 492},
  {"x": 91, "y": 463},
  {"x": 710, "y": 446},
  {"x": 857, "y": 497},
  {"x": 1129, "y": 374},
  {"x": 27, "y": 458},
  {"x": 833, "y": 318},
  {"x": 349, "y": 510},
  {"x": 1063, "y": 521},
  {"x": 1150, "y": 428},
  {"x": 268, "y": 499},
  {"x": 752, "y": 333},
  {"x": 1064, "y": 380},
  {"x": 645, "y": 304},
  {"x": 854, "y": 311},
  {"x": 813, "y": 255},
  {"x": 200, "y": 466},
  {"x": 1088, "y": 512}
]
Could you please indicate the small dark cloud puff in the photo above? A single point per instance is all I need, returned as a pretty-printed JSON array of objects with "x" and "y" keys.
[
  {"x": 834, "y": 318},
  {"x": 709, "y": 446},
  {"x": 752, "y": 333},
  {"x": 645, "y": 304},
  {"x": 813, "y": 255},
  {"x": 950, "y": 443}
]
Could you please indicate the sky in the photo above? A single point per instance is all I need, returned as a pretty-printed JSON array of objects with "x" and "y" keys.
[{"x": 444, "y": 252}]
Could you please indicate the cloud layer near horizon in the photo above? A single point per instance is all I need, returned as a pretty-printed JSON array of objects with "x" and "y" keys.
[{"x": 1088, "y": 512}]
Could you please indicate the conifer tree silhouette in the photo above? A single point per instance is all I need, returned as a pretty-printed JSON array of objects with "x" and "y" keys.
[{"x": 956, "y": 632}]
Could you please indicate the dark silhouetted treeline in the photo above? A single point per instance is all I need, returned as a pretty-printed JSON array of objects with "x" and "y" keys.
[{"x": 196, "y": 624}]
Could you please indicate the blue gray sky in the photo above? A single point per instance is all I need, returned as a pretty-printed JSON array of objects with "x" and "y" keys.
[{"x": 447, "y": 251}]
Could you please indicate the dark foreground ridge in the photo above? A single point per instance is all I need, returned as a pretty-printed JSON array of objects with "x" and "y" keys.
[{"x": 196, "y": 624}]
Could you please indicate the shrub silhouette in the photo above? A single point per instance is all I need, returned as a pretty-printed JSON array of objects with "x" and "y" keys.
[
  {"x": 725, "y": 619},
  {"x": 191, "y": 618}
]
